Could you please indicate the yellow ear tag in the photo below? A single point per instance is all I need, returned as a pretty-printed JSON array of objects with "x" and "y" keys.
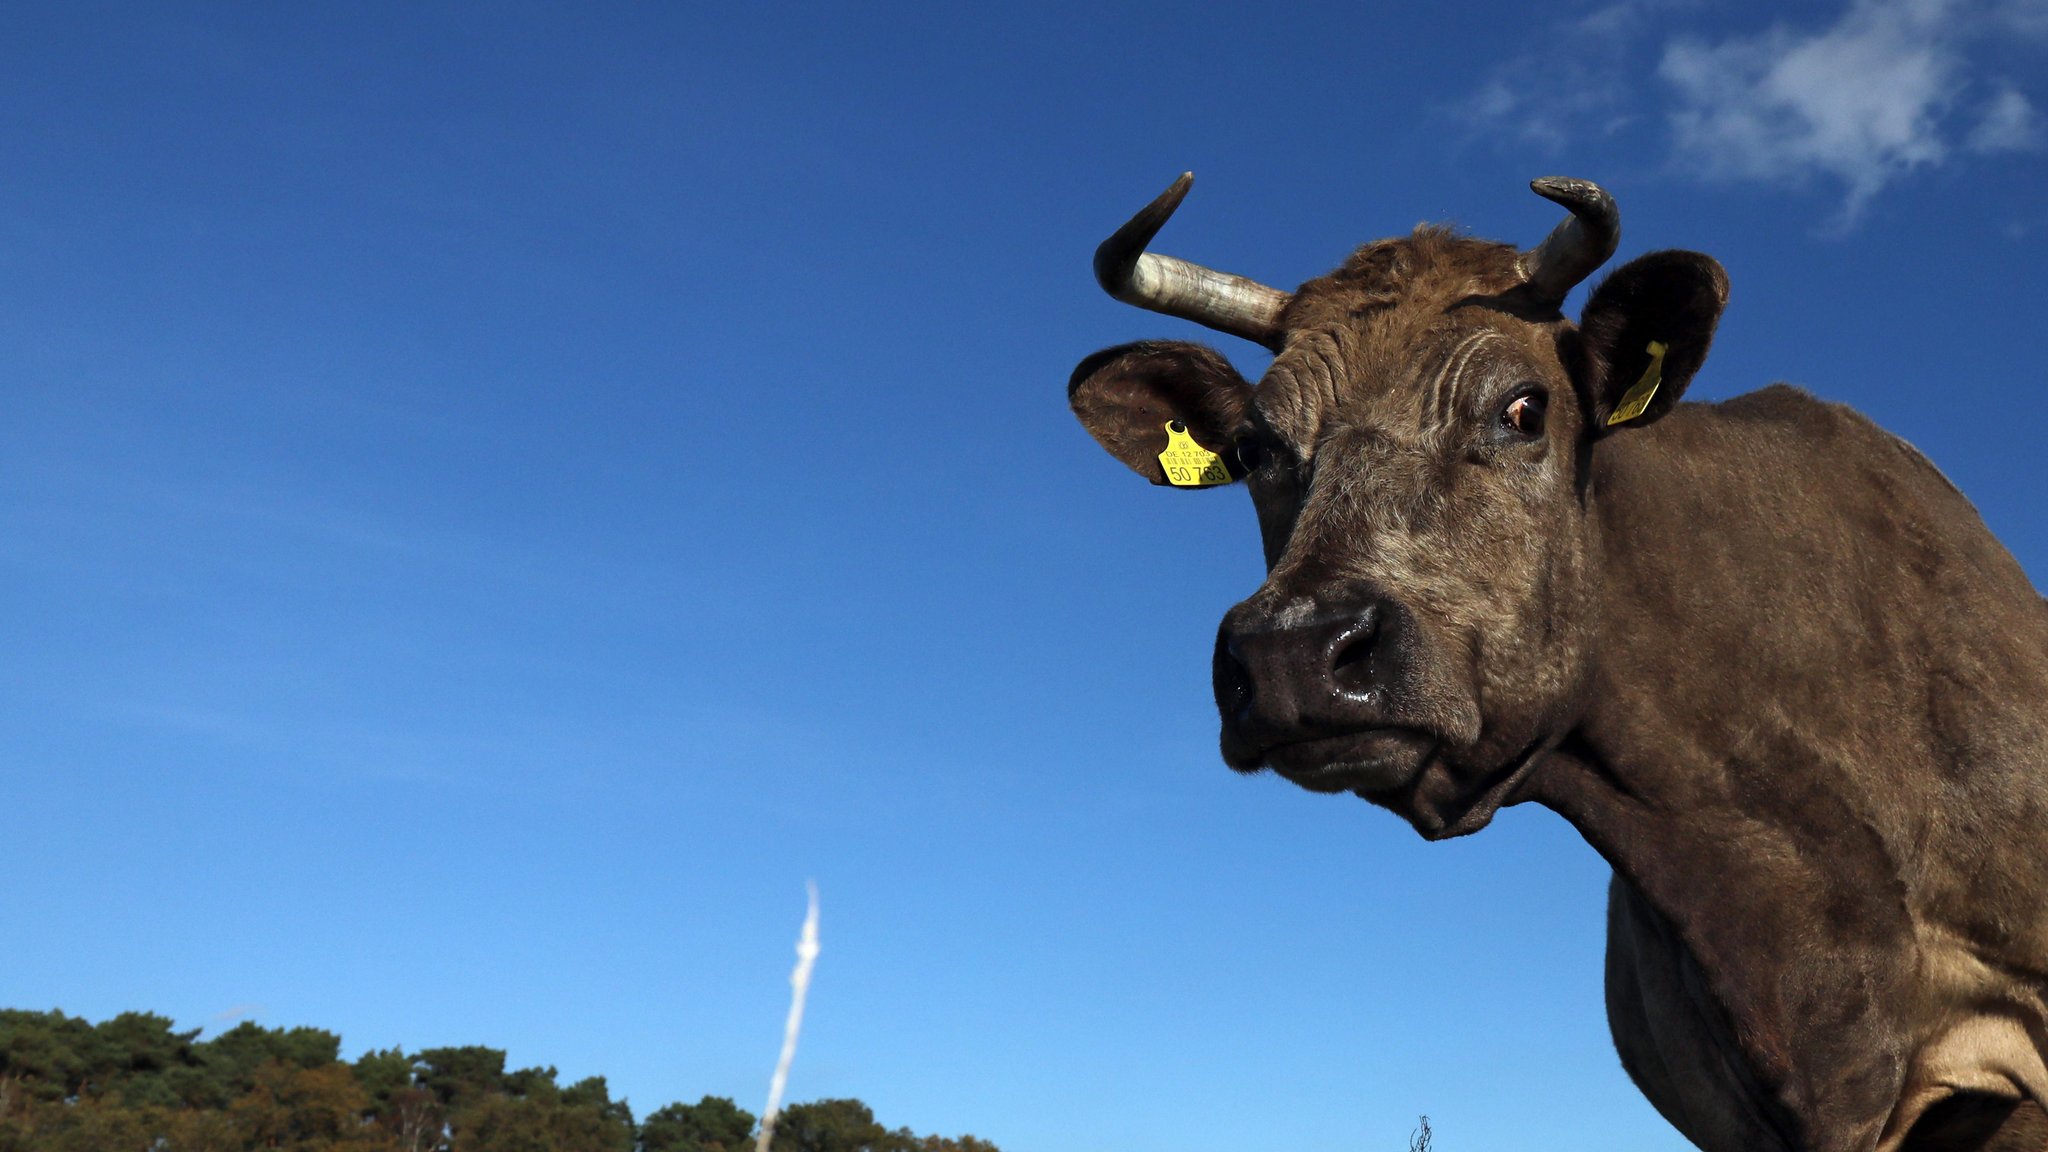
[
  {"x": 1636, "y": 400},
  {"x": 1188, "y": 464}
]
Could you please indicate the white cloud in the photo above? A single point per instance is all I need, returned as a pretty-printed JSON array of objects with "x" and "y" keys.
[
  {"x": 1862, "y": 101},
  {"x": 1890, "y": 87}
]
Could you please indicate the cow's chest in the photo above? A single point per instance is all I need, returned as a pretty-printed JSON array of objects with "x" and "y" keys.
[
  {"x": 1673, "y": 1037},
  {"x": 1797, "y": 1048}
]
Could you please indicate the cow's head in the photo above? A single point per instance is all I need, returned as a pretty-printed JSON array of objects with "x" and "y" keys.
[{"x": 1421, "y": 456}]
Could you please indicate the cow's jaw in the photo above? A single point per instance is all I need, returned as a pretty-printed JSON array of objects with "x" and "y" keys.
[{"x": 1369, "y": 762}]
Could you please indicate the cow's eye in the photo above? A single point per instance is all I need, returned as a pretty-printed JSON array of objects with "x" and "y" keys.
[
  {"x": 1250, "y": 454},
  {"x": 1523, "y": 415}
]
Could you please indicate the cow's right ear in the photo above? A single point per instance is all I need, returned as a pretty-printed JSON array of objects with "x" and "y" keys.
[{"x": 1126, "y": 397}]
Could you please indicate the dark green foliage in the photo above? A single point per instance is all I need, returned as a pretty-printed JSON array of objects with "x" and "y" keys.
[
  {"x": 384, "y": 1074},
  {"x": 455, "y": 1075},
  {"x": 713, "y": 1124},
  {"x": 43, "y": 1056},
  {"x": 850, "y": 1126},
  {"x": 954, "y": 1144},
  {"x": 135, "y": 1084},
  {"x": 232, "y": 1060},
  {"x": 831, "y": 1126}
]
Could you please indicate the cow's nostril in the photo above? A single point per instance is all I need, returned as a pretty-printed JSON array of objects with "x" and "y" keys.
[
  {"x": 1236, "y": 680},
  {"x": 1233, "y": 678},
  {"x": 1351, "y": 665}
]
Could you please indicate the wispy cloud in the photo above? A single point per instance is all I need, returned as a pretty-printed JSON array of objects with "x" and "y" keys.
[
  {"x": 2009, "y": 124},
  {"x": 2021, "y": 17},
  {"x": 220, "y": 1020},
  {"x": 1556, "y": 91},
  {"x": 1887, "y": 88},
  {"x": 1864, "y": 101}
]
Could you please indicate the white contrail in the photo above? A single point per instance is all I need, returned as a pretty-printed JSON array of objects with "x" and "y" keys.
[{"x": 799, "y": 983}]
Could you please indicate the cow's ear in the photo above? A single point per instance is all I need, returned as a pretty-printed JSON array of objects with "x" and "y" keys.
[
  {"x": 1644, "y": 332},
  {"x": 1127, "y": 397}
]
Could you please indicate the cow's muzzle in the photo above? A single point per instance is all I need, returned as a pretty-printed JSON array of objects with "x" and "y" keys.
[{"x": 1309, "y": 691}]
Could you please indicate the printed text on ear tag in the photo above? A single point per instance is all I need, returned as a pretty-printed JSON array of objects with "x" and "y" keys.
[
  {"x": 1188, "y": 464},
  {"x": 1637, "y": 399}
]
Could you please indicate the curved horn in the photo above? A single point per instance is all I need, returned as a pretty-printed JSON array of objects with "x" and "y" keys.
[
  {"x": 1215, "y": 299},
  {"x": 1580, "y": 244}
]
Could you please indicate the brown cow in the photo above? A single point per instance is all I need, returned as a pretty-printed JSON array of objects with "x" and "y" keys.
[{"x": 1761, "y": 654}]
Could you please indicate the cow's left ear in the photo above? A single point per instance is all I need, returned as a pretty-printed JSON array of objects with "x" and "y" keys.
[
  {"x": 1138, "y": 399},
  {"x": 1668, "y": 300}
]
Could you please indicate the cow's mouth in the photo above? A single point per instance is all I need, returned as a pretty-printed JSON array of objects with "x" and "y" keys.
[{"x": 1368, "y": 762}]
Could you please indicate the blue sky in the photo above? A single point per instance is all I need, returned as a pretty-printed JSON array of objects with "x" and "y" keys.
[{"x": 498, "y": 496}]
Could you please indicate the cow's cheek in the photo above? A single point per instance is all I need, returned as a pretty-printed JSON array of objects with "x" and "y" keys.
[
  {"x": 1533, "y": 666},
  {"x": 1528, "y": 625}
]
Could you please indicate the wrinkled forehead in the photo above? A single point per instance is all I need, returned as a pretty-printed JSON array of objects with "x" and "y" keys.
[
  {"x": 1395, "y": 333},
  {"x": 1397, "y": 370}
]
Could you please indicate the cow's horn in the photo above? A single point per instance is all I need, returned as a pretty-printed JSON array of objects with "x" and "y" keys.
[
  {"x": 1215, "y": 299},
  {"x": 1580, "y": 244}
]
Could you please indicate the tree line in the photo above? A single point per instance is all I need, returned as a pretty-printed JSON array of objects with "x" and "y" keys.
[{"x": 134, "y": 1083}]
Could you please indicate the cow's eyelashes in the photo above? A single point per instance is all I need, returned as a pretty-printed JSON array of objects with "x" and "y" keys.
[{"x": 1523, "y": 415}]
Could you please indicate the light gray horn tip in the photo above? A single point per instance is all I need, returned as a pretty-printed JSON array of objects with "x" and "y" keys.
[
  {"x": 1175, "y": 192},
  {"x": 1572, "y": 193}
]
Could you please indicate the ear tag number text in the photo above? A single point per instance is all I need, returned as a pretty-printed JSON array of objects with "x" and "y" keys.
[
  {"x": 1188, "y": 464},
  {"x": 1636, "y": 400}
]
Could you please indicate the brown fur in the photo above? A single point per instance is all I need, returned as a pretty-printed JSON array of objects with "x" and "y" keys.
[{"x": 1762, "y": 655}]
